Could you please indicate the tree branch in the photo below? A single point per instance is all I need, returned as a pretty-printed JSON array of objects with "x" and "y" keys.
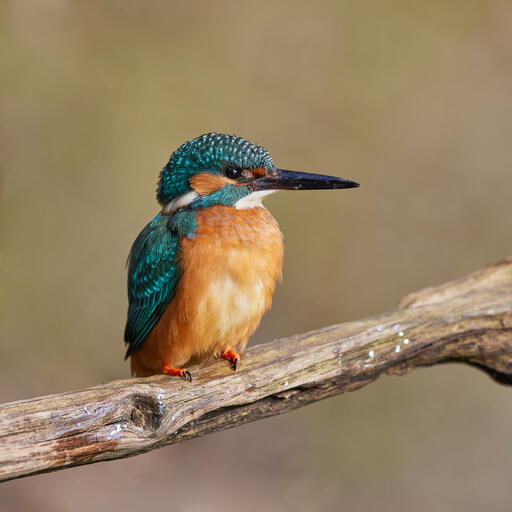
[{"x": 469, "y": 320}]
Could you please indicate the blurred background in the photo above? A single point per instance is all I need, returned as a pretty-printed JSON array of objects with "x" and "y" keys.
[{"x": 412, "y": 99}]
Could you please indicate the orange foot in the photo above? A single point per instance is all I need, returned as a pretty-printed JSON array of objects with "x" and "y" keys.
[
  {"x": 233, "y": 357},
  {"x": 180, "y": 372}
]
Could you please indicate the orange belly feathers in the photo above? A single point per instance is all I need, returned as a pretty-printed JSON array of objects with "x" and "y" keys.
[{"x": 230, "y": 268}]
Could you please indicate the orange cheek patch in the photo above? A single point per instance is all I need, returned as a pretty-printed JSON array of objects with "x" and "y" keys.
[
  {"x": 258, "y": 172},
  {"x": 206, "y": 183}
]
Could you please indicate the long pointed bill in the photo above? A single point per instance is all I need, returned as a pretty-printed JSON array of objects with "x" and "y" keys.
[{"x": 292, "y": 180}]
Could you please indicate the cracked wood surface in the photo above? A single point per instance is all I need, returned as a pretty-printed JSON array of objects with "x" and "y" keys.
[{"x": 468, "y": 320}]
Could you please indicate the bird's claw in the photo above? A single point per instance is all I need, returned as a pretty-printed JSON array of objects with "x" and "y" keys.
[
  {"x": 186, "y": 375},
  {"x": 233, "y": 357},
  {"x": 179, "y": 372}
]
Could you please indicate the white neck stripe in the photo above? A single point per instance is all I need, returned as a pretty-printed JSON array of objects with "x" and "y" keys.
[
  {"x": 179, "y": 202},
  {"x": 253, "y": 199},
  {"x": 249, "y": 201}
]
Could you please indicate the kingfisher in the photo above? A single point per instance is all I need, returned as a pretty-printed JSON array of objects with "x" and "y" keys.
[{"x": 203, "y": 272}]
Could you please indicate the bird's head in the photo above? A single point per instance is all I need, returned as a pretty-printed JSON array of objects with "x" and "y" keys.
[{"x": 223, "y": 169}]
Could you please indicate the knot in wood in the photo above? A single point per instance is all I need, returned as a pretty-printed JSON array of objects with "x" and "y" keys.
[{"x": 146, "y": 412}]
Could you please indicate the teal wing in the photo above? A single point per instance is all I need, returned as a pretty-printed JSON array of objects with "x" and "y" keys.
[{"x": 153, "y": 276}]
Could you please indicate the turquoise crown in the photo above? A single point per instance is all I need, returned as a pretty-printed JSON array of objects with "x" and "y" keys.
[{"x": 212, "y": 152}]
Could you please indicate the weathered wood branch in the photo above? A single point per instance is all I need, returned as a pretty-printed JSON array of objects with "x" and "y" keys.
[{"x": 469, "y": 320}]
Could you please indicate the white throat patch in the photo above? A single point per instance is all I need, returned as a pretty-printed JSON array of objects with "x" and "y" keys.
[
  {"x": 179, "y": 202},
  {"x": 253, "y": 199}
]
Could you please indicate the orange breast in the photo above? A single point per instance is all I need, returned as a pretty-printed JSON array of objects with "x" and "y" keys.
[{"x": 230, "y": 270}]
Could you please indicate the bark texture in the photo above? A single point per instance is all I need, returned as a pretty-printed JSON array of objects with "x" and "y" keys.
[{"x": 468, "y": 320}]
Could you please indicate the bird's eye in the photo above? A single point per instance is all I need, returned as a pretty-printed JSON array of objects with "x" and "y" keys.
[{"x": 232, "y": 173}]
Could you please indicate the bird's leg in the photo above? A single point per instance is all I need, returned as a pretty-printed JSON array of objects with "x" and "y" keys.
[
  {"x": 233, "y": 357},
  {"x": 180, "y": 372}
]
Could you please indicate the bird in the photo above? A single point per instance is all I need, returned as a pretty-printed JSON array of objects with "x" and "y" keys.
[{"x": 202, "y": 273}]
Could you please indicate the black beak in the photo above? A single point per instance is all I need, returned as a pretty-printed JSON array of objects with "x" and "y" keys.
[{"x": 292, "y": 180}]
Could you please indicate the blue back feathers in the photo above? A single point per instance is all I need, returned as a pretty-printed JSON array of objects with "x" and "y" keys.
[{"x": 153, "y": 275}]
